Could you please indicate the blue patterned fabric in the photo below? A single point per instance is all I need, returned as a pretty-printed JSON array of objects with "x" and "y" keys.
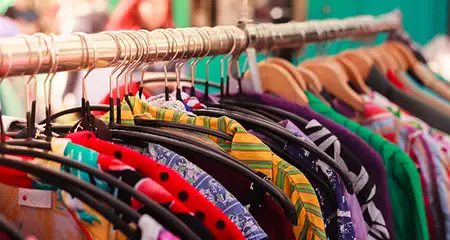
[
  {"x": 337, "y": 217},
  {"x": 208, "y": 187}
]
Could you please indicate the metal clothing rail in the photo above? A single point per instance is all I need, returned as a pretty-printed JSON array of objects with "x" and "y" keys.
[{"x": 39, "y": 53}]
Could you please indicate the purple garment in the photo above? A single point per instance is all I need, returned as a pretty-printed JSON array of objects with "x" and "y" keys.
[
  {"x": 364, "y": 153},
  {"x": 369, "y": 180},
  {"x": 357, "y": 216}
]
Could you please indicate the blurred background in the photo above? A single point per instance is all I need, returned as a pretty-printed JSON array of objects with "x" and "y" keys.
[{"x": 426, "y": 21}]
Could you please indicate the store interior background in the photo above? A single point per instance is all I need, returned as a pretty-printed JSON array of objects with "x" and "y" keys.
[{"x": 426, "y": 22}]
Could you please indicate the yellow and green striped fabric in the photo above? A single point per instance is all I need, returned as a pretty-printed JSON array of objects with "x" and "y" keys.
[{"x": 250, "y": 150}]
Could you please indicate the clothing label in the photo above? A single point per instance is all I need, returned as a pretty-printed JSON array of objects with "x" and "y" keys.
[{"x": 35, "y": 198}]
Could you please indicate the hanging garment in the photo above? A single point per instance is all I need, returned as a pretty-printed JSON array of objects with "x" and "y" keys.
[
  {"x": 126, "y": 174},
  {"x": 253, "y": 153},
  {"x": 335, "y": 210},
  {"x": 208, "y": 187},
  {"x": 408, "y": 207},
  {"x": 378, "y": 82},
  {"x": 425, "y": 154},
  {"x": 368, "y": 178},
  {"x": 429, "y": 153},
  {"x": 273, "y": 222},
  {"x": 215, "y": 220}
]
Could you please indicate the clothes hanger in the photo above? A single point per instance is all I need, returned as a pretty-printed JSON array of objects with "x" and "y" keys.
[
  {"x": 396, "y": 55},
  {"x": 312, "y": 81},
  {"x": 422, "y": 73},
  {"x": 162, "y": 215},
  {"x": 287, "y": 85},
  {"x": 405, "y": 53},
  {"x": 391, "y": 62},
  {"x": 157, "y": 123},
  {"x": 65, "y": 182},
  {"x": 252, "y": 123},
  {"x": 378, "y": 59},
  {"x": 334, "y": 78},
  {"x": 336, "y": 82},
  {"x": 30, "y": 127},
  {"x": 150, "y": 206},
  {"x": 142, "y": 139},
  {"x": 259, "y": 123},
  {"x": 79, "y": 189},
  {"x": 363, "y": 63},
  {"x": 45, "y": 155},
  {"x": 153, "y": 80},
  {"x": 120, "y": 131},
  {"x": 206, "y": 99}
]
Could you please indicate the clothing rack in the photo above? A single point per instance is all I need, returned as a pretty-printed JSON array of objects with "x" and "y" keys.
[{"x": 40, "y": 53}]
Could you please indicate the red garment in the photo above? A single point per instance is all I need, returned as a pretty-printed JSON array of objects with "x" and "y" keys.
[
  {"x": 15, "y": 178},
  {"x": 146, "y": 186},
  {"x": 394, "y": 80},
  {"x": 216, "y": 221}
]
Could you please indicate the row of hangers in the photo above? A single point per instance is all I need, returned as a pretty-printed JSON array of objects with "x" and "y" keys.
[{"x": 331, "y": 73}]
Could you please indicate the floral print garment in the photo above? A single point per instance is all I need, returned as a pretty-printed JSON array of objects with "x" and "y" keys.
[{"x": 208, "y": 187}]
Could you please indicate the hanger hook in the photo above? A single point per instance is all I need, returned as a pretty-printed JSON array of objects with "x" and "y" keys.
[
  {"x": 194, "y": 57},
  {"x": 222, "y": 60},
  {"x": 149, "y": 64},
  {"x": 206, "y": 96},
  {"x": 136, "y": 61},
  {"x": 117, "y": 40},
  {"x": 180, "y": 63},
  {"x": 127, "y": 36},
  {"x": 31, "y": 113},
  {"x": 33, "y": 75},
  {"x": 229, "y": 61},
  {"x": 43, "y": 37},
  {"x": 170, "y": 48},
  {"x": 86, "y": 39}
]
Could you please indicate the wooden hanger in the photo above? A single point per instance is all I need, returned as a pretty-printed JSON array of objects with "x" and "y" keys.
[
  {"x": 312, "y": 81},
  {"x": 360, "y": 59},
  {"x": 354, "y": 75},
  {"x": 291, "y": 69},
  {"x": 278, "y": 80},
  {"x": 394, "y": 52},
  {"x": 391, "y": 62},
  {"x": 377, "y": 58},
  {"x": 362, "y": 62},
  {"x": 405, "y": 52},
  {"x": 335, "y": 80}
]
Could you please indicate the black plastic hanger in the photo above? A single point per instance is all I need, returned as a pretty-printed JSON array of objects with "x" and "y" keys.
[
  {"x": 251, "y": 123},
  {"x": 141, "y": 140},
  {"x": 281, "y": 114},
  {"x": 173, "y": 140},
  {"x": 160, "y": 214},
  {"x": 158, "y": 123},
  {"x": 11, "y": 231},
  {"x": 78, "y": 189}
]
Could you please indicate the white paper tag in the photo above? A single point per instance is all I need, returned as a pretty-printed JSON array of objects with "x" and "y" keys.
[{"x": 35, "y": 198}]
